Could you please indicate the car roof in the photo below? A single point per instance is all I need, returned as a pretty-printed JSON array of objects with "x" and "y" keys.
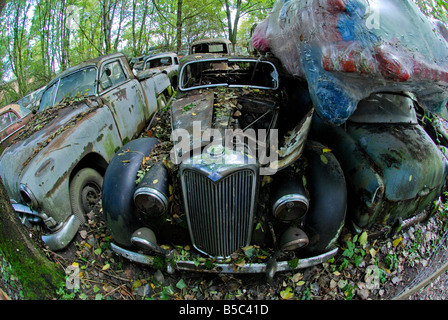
[
  {"x": 217, "y": 40},
  {"x": 21, "y": 111},
  {"x": 162, "y": 54},
  {"x": 212, "y": 56},
  {"x": 96, "y": 62}
]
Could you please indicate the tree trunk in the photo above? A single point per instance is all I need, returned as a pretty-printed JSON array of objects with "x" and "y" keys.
[
  {"x": 38, "y": 276},
  {"x": 232, "y": 26},
  {"x": 179, "y": 26}
]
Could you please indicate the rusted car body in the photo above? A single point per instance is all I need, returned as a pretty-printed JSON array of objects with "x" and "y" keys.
[
  {"x": 394, "y": 169},
  {"x": 246, "y": 203},
  {"x": 13, "y": 118},
  {"x": 53, "y": 170},
  {"x": 162, "y": 62}
]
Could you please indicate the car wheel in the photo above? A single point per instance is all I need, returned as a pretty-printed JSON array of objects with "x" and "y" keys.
[{"x": 85, "y": 192}]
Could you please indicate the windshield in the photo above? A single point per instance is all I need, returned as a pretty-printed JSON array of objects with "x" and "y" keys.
[
  {"x": 157, "y": 62},
  {"x": 77, "y": 84},
  {"x": 228, "y": 72},
  {"x": 213, "y": 47},
  {"x": 385, "y": 108}
]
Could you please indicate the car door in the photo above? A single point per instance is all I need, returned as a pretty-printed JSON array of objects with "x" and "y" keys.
[{"x": 124, "y": 96}]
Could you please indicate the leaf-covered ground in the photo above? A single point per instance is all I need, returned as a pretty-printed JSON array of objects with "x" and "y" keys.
[{"x": 363, "y": 269}]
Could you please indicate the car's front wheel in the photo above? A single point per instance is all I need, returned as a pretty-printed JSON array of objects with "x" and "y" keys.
[{"x": 85, "y": 192}]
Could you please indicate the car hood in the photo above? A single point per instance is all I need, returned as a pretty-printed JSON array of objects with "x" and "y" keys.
[
  {"x": 410, "y": 165},
  {"x": 145, "y": 74},
  {"x": 37, "y": 136},
  {"x": 205, "y": 115}
]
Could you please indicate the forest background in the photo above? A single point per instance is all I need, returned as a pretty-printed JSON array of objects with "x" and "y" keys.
[{"x": 41, "y": 38}]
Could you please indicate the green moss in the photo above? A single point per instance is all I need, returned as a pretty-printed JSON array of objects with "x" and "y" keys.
[{"x": 39, "y": 278}]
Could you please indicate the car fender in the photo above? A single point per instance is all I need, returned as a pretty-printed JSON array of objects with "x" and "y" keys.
[
  {"x": 119, "y": 185},
  {"x": 328, "y": 199}
]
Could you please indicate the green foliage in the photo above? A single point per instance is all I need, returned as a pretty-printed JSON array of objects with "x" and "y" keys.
[
  {"x": 41, "y": 38},
  {"x": 354, "y": 253},
  {"x": 437, "y": 9}
]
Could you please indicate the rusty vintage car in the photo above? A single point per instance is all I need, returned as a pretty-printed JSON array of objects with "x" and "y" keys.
[
  {"x": 241, "y": 186},
  {"x": 53, "y": 172},
  {"x": 13, "y": 119},
  {"x": 166, "y": 62},
  {"x": 394, "y": 168}
]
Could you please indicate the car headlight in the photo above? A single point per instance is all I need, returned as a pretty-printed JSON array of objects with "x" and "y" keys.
[{"x": 28, "y": 196}]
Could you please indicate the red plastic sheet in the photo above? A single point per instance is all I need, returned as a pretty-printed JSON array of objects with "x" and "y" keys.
[{"x": 348, "y": 49}]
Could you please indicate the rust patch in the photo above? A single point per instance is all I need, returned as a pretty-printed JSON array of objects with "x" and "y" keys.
[
  {"x": 88, "y": 149},
  {"x": 121, "y": 94},
  {"x": 44, "y": 166}
]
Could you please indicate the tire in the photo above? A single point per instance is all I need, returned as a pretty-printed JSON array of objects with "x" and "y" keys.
[{"x": 85, "y": 192}]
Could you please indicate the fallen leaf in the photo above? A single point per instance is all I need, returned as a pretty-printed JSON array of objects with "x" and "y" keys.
[
  {"x": 396, "y": 242},
  {"x": 107, "y": 288},
  {"x": 137, "y": 284},
  {"x": 241, "y": 264},
  {"x": 105, "y": 267},
  {"x": 363, "y": 239},
  {"x": 287, "y": 294},
  {"x": 342, "y": 283},
  {"x": 181, "y": 284},
  {"x": 323, "y": 159}
]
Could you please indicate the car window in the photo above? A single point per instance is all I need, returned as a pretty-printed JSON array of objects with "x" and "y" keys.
[
  {"x": 25, "y": 101},
  {"x": 385, "y": 108},
  {"x": 112, "y": 75},
  {"x": 48, "y": 97},
  {"x": 80, "y": 83},
  {"x": 77, "y": 84},
  {"x": 7, "y": 119},
  {"x": 156, "y": 62},
  {"x": 231, "y": 72},
  {"x": 209, "y": 48}
]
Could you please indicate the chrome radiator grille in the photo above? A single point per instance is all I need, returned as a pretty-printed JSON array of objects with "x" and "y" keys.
[{"x": 220, "y": 214}]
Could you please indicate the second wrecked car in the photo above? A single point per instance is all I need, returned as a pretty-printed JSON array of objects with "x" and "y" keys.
[
  {"x": 238, "y": 191},
  {"x": 161, "y": 62},
  {"x": 53, "y": 172}
]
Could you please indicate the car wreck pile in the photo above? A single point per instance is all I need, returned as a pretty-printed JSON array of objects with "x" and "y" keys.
[
  {"x": 349, "y": 141},
  {"x": 269, "y": 156}
]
